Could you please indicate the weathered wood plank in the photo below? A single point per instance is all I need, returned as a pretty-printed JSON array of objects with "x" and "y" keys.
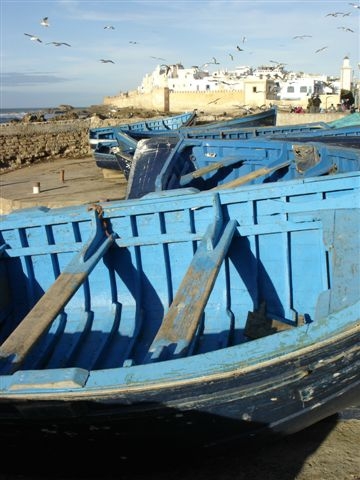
[
  {"x": 183, "y": 317},
  {"x": 15, "y": 348}
]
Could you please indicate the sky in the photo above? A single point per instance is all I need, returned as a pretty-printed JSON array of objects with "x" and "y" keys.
[{"x": 148, "y": 33}]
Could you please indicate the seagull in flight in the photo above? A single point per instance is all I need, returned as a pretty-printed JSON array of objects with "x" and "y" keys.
[
  {"x": 240, "y": 49},
  {"x": 109, "y": 27},
  {"x": 320, "y": 49},
  {"x": 159, "y": 58},
  {"x": 34, "y": 38},
  {"x": 302, "y": 36},
  {"x": 355, "y": 5},
  {"x": 58, "y": 44},
  {"x": 45, "y": 22},
  {"x": 231, "y": 56},
  {"x": 102, "y": 60},
  {"x": 346, "y": 29},
  {"x": 215, "y": 101},
  {"x": 134, "y": 43}
]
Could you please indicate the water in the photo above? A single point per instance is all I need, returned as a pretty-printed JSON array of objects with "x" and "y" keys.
[{"x": 8, "y": 114}]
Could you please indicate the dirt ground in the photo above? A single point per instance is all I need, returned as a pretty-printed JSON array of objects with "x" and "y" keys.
[{"x": 328, "y": 450}]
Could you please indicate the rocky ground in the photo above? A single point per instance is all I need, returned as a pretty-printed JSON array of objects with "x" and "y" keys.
[
  {"x": 102, "y": 115},
  {"x": 102, "y": 112}
]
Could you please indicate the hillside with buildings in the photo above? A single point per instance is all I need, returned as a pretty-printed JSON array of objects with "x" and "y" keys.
[{"x": 176, "y": 88}]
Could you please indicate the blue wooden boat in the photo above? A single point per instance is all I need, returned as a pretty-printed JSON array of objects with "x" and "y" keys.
[
  {"x": 207, "y": 163},
  {"x": 108, "y": 153},
  {"x": 198, "y": 317},
  {"x": 115, "y": 154},
  {"x": 300, "y": 132},
  {"x": 113, "y": 147},
  {"x": 163, "y": 127},
  {"x": 350, "y": 120},
  {"x": 261, "y": 119},
  {"x": 107, "y": 134}
]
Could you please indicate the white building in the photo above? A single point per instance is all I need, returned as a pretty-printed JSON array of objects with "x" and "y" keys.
[{"x": 272, "y": 80}]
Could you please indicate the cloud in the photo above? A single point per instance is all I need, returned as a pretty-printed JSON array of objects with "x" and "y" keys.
[{"x": 17, "y": 79}]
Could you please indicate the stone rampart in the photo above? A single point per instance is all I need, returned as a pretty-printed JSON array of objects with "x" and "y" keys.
[
  {"x": 25, "y": 143},
  {"x": 215, "y": 102}
]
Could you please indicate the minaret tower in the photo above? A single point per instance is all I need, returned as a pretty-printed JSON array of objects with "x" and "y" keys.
[{"x": 345, "y": 75}]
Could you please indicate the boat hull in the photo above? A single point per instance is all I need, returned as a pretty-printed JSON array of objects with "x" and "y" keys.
[
  {"x": 167, "y": 124},
  {"x": 103, "y": 140},
  {"x": 276, "y": 399},
  {"x": 264, "y": 119},
  {"x": 194, "y": 316},
  {"x": 213, "y": 163}
]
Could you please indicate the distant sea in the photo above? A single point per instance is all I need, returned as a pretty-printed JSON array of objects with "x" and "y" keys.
[{"x": 7, "y": 114}]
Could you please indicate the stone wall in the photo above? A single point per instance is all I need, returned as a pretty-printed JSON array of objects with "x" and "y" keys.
[
  {"x": 25, "y": 143},
  {"x": 215, "y": 102},
  {"x": 285, "y": 118}
]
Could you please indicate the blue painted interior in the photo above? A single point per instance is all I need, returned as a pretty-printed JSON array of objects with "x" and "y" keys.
[{"x": 285, "y": 252}]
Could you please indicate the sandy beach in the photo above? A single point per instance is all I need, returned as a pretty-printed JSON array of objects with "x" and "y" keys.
[{"x": 328, "y": 450}]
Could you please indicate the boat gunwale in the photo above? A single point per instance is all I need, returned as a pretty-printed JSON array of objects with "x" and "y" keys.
[
  {"x": 179, "y": 365},
  {"x": 146, "y": 204}
]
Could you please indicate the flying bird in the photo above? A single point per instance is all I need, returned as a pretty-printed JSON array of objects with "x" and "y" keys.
[
  {"x": 355, "y": 5},
  {"x": 240, "y": 49},
  {"x": 231, "y": 56},
  {"x": 215, "y": 101},
  {"x": 158, "y": 58},
  {"x": 302, "y": 36},
  {"x": 346, "y": 29},
  {"x": 58, "y": 44},
  {"x": 45, "y": 22},
  {"x": 333, "y": 14},
  {"x": 320, "y": 49},
  {"x": 134, "y": 43},
  {"x": 34, "y": 38},
  {"x": 102, "y": 60},
  {"x": 214, "y": 62},
  {"x": 109, "y": 27}
]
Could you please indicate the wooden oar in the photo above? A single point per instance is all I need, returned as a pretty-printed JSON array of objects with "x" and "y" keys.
[
  {"x": 185, "y": 179},
  {"x": 183, "y": 317},
  {"x": 21, "y": 341},
  {"x": 251, "y": 176}
]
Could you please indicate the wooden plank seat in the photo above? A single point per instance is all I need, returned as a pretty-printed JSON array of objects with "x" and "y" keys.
[
  {"x": 20, "y": 342},
  {"x": 185, "y": 312}
]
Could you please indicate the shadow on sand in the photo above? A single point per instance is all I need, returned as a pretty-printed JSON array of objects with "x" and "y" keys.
[{"x": 75, "y": 459}]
